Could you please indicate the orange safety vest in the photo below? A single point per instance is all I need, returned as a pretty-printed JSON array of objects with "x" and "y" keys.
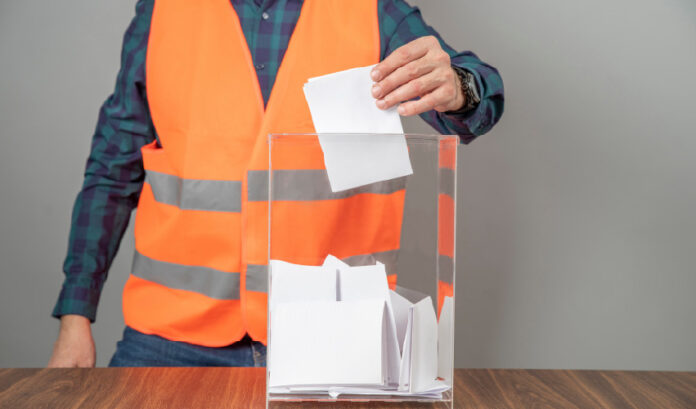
[{"x": 201, "y": 231}]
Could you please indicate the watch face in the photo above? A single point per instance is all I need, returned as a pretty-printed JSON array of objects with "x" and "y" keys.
[
  {"x": 473, "y": 92},
  {"x": 469, "y": 88}
]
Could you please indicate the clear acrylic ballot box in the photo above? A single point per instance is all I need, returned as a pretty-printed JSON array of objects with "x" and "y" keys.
[{"x": 361, "y": 256}]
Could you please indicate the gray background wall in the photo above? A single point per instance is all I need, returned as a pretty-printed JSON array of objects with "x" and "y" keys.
[{"x": 577, "y": 235}]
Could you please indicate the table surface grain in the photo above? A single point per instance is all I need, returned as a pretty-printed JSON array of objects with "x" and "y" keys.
[{"x": 245, "y": 388}]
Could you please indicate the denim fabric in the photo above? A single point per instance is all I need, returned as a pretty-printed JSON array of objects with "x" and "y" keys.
[{"x": 138, "y": 349}]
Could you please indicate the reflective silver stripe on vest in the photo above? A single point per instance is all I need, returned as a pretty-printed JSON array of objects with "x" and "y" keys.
[
  {"x": 196, "y": 194},
  {"x": 446, "y": 269},
  {"x": 203, "y": 280},
  {"x": 447, "y": 181},
  {"x": 257, "y": 278},
  {"x": 309, "y": 184},
  {"x": 388, "y": 258}
]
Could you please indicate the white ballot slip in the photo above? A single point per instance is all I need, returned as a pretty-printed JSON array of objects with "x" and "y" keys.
[
  {"x": 335, "y": 391},
  {"x": 361, "y": 282},
  {"x": 327, "y": 343},
  {"x": 337, "y": 329},
  {"x": 423, "y": 347},
  {"x": 293, "y": 282},
  {"x": 445, "y": 350},
  {"x": 401, "y": 307},
  {"x": 405, "y": 368},
  {"x": 334, "y": 263},
  {"x": 365, "y": 282},
  {"x": 342, "y": 104},
  {"x": 435, "y": 392}
]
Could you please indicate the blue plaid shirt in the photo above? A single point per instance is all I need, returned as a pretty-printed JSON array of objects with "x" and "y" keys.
[{"x": 114, "y": 173}]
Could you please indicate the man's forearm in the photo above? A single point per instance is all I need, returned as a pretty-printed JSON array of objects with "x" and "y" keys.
[
  {"x": 113, "y": 177},
  {"x": 100, "y": 217}
]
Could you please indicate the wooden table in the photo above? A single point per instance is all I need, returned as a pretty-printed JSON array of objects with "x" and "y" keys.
[{"x": 244, "y": 388}]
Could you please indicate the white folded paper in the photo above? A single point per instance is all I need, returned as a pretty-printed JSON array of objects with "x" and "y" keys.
[
  {"x": 327, "y": 343},
  {"x": 342, "y": 104},
  {"x": 423, "y": 361},
  {"x": 351, "y": 335},
  {"x": 445, "y": 336},
  {"x": 294, "y": 282},
  {"x": 370, "y": 282}
]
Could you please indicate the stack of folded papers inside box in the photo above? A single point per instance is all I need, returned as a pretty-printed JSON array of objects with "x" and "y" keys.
[{"x": 337, "y": 329}]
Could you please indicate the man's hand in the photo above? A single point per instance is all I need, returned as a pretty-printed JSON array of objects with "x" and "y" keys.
[
  {"x": 74, "y": 347},
  {"x": 422, "y": 69}
]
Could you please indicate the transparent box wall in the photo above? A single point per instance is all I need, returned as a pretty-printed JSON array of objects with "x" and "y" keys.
[{"x": 407, "y": 223}]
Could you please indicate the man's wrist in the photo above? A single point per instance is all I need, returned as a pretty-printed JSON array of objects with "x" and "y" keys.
[
  {"x": 70, "y": 321},
  {"x": 468, "y": 91}
]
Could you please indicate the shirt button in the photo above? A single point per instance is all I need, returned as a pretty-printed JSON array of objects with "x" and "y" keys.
[
  {"x": 260, "y": 66},
  {"x": 265, "y": 16}
]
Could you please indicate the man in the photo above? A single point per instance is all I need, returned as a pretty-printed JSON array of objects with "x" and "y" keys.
[{"x": 201, "y": 84}]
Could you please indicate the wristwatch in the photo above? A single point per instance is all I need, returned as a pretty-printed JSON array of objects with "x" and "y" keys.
[{"x": 468, "y": 83}]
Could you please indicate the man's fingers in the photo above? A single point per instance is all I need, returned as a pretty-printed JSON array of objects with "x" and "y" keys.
[
  {"x": 412, "y": 89},
  {"x": 403, "y": 75},
  {"x": 426, "y": 103},
  {"x": 419, "y": 69},
  {"x": 402, "y": 56}
]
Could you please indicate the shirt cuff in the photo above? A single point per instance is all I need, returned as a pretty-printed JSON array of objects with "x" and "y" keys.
[
  {"x": 78, "y": 297},
  {"x": 472, "y": 121}
]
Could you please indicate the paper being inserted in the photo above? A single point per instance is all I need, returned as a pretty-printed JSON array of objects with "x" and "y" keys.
[{"x": 362, "y": 144}]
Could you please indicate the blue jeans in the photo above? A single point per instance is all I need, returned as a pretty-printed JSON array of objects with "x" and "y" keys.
[{"x": 138, "y": 349}]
